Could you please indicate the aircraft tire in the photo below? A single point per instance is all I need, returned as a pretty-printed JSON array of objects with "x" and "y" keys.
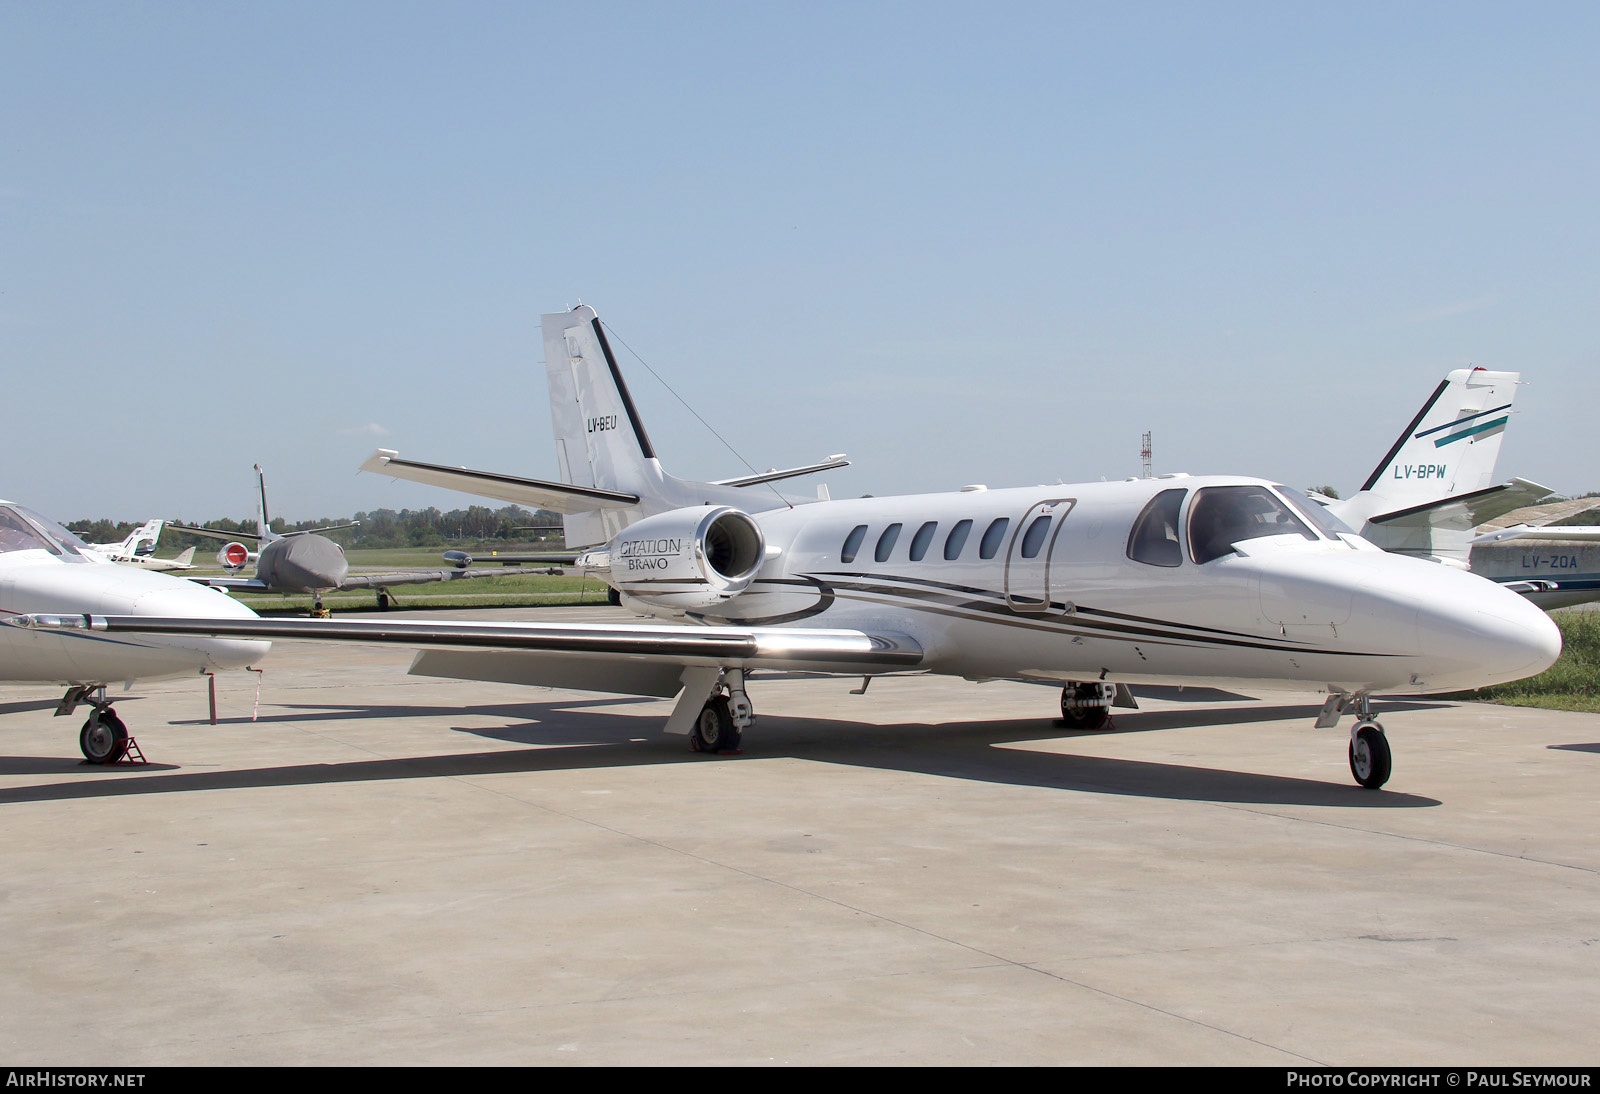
[
  {"x": 1076, "y": 717},
  {"x": 104, "y": 739},
  {"x": 1370, "y": 759},
  {"x": 714, "y": 730}
]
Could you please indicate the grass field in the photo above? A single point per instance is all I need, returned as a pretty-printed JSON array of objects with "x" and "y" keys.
[{"x": 1572, "y": 683}]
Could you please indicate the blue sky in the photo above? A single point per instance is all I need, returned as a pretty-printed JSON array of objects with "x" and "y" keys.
[{"x": 963, "y": 243}]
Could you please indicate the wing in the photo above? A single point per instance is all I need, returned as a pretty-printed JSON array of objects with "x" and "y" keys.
[
  {"x": 236, "y": 584},
  {"x": 557, "y": 497},
  {"x": 620, "y": 658},
  {"x": 383, "y": 580}
]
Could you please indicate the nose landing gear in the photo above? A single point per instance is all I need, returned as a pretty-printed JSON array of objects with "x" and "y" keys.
[{"x": 1371, "y": 762}]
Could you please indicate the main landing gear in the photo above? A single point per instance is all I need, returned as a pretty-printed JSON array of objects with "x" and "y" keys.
[
  {"x": 1371, "y": 761},
  {"x": 103, "y": 739},
  {"x": 1087, "y": 706},
  {"x": 719, "y": 726}
]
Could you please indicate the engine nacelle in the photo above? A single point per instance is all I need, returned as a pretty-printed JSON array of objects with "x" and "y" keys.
[
  {"x": 688, "y": 558},
  {"x": 234, "y": 556}
]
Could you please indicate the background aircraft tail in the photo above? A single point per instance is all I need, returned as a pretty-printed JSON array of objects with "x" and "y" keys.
[
  {"x": 1437, "y": 481},
  {"x": 263, "y": 522},
  {"x": 143, "y": 539},
  {"x": 1451, "y": 446}
]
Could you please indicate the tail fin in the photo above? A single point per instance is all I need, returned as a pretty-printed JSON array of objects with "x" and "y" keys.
[
  {"x": 600, "y": 441},
  {"x": 1451, "y": 446},
  {"x": 263, "y": 522},
  {"x": 1436, "y": 483},
  {"x": 142, "y": 540}
]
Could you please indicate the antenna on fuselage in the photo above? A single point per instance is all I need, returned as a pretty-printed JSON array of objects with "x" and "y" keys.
[{"x": 1144, "y": 453}]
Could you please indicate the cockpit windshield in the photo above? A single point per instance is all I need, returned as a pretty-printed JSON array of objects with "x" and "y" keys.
[
  {"x": 24, "y": 530},
  {"x": 1319, "y": 515},
  {"x": 1224, "y": 515}
]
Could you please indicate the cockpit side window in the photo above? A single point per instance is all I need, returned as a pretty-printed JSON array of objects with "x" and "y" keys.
[
  {"x": 1225, "y": 515},
  {"x": 1154, "y": 539},
  {"x": 17, "y": 533},
  {"x": 1319, "y": 515}
]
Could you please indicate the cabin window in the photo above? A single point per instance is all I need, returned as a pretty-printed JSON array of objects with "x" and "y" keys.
[
  {"x": 956, "y": 540},
  {"x": 992, "y": 536},
  {"x": 1225, "y": 515},
  {"x": 1033, "y": 538},
  {"x": 1154, "y": 539},
  {"x": 886, "y": 542},
  {"x": 852, "y": 543},
  {"x": 920, "y": 541}
]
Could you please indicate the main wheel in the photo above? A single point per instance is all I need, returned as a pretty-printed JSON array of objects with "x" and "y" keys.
[
  {"x": 1078, "y": 717},
  {"x": 714, "y": 730},
  {"x": 1370, "y": 759},
  {"x": 104, "y": 738}
]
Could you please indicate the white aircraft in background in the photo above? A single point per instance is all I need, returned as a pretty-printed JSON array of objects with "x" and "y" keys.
[
  {"x": 138, "y": 549},
  {"x": 1553, "y": 565},
  {"x": 301, "y": 562},
  {"x": 1216, "y": 580},
  {"x": 45, "y": 569}
]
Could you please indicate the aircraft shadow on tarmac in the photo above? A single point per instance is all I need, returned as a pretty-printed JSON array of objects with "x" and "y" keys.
[{"x": 568, "y": 736}]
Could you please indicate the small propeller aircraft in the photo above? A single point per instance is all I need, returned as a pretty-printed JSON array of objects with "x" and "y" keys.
[
  {"x": 138, "y": 548},
  {"x": 1224, "y": 581},
  {"x": 46, "y": 569}
]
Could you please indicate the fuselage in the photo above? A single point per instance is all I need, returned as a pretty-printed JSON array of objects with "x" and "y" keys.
[
  {"x": 43, "y": 570},
  {"x": 1140, "y": 581}
]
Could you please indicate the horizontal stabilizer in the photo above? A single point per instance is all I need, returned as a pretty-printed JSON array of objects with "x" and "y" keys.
[
  {"x": 557, "y": 497},
  {"x": 793, "y": 472},
  {"x": 1466, "y": 511},
  {"x": 213, "y": 533}
]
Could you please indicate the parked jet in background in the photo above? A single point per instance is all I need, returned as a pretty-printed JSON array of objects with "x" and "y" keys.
[
  {"x": 304, "y": 562},
  {"x": 46, "y": 570},
  {"x": 1225, "y": 581}
]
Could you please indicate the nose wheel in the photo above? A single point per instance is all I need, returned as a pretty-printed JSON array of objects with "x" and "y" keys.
[
  {"x": 1370, "y": 759},
  {"x": 104, "y": 739}
]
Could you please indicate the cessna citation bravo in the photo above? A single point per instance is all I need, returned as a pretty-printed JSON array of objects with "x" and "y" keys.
[
  {"x": 1226, "y": 581},
  {"x": 45, "y": 568}
]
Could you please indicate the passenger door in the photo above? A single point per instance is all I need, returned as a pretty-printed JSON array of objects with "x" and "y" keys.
[{"x": 1028, "y": 557}]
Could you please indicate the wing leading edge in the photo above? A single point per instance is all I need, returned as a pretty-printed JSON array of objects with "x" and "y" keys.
[{"x": 626, "y": 659}]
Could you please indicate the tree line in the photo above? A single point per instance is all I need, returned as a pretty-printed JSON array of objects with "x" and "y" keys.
[{"x": 378, "y": 528}]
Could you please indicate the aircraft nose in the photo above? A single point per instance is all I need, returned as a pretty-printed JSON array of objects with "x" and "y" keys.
[
  {"x": 191, "y": 601},
  {"x": 1485, "y": 636}
]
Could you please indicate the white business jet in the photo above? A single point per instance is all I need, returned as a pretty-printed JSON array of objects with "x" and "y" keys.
[
  {"x": 1226, "y": 581},
  {"x": 46, "y": 569}
]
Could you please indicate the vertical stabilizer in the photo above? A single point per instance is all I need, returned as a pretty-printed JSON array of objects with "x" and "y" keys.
[
  {"x": 263, "y": 522},
  {"x": 600, "y": 440},
  {"x": 1446, "y": 454},
  {"x": 1451, "y": 446}
]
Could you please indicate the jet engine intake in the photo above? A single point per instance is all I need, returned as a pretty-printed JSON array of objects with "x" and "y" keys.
[
  {"x": 688, "y": 558},
  {"x": 234, "y": 556}
]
